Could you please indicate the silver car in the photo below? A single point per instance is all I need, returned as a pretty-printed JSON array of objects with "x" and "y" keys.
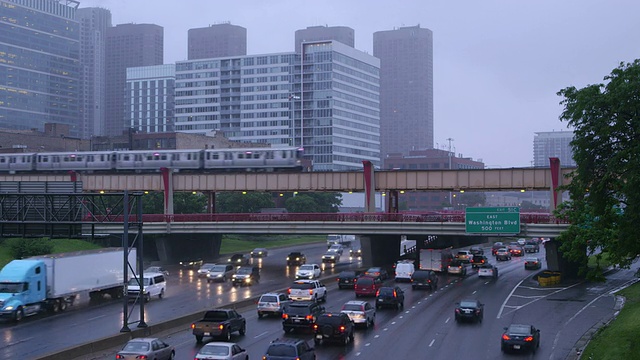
[
  {"x": 360, "y": 312},
  {"x": 146, "y": 348},
  {"x": 204, "y": 269},
  {"x": 222, "y": 351},
  {"x": 272, "y": 304},
  {"x": 220, "y": 273}
]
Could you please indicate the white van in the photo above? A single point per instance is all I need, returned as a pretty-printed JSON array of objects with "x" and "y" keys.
[
  {"x": 153, "y": 284},
  {"x": 404, "y": 270}
]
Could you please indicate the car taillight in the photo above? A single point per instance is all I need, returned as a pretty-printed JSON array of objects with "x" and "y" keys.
[
  {"x": 394, "y": 293},
  {"x": 193, "y": 326},
  {"x": 528, "y": 338},
  {"x": 377, "y": 292},
  {"x": 310, "y": 292},
  {"x": 141, "y": 357},
  {"x": 221, "y": 326},
  {"x": 505, "y": 337},
  {"x": 478, "y": 311},
  {"x": 457, "y": 311},
  {"x": 289, "y": 291},
  {"x": 315, "y": 326},
  {"x": 309, "y": 317},
  {"x": 118, "y": 356},
  {"x": 342, "y": 328},
  {"x": 285, "y": 316}
]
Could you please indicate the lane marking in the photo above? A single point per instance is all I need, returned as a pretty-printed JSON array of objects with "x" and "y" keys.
[
  {"x": 474, "y": 292},
  {"x": 446, "y": 321},
  {"x": 377, "y": 336},
  {"x": 431, "y": 343},
  {"x": 95, "y": 318},
  {"x": 257, "y": 336}
]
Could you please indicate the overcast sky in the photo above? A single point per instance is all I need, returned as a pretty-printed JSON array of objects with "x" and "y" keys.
[{"x": 497, "y": 64}]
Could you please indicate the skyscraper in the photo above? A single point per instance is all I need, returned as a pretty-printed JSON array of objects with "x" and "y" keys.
[
  {"x": 39, "y": 64},
  {"x": 93, "y": 33},
  {"x": 553, "y": 144},
  {"x": 149, "y": 98},
  {"x": 217, "y": 41},
  {"x": 343, "y": 34},
  {"x": 128, "y": 45},
  {"x": 406, "y": 89}
]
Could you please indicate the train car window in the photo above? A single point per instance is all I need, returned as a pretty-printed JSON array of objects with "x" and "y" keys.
[
  {"x": 163, "y": 157},
  {"x": 256, "y": 156},
  {"x": 2, "y": 160},
  {"x": 125, "y": 157},
  {"x": 55, "y": 159}
]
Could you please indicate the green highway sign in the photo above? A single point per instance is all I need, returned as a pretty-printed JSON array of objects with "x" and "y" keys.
[{"x": 492, "y": 220}]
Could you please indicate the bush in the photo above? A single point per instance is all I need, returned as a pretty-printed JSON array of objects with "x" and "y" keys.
[{"x": 23, "y": 248}]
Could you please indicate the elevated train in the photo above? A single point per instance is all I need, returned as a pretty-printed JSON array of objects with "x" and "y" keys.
[{"x": 241, "y": 159}]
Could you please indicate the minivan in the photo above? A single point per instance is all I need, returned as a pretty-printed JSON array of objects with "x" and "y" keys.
[
  {"x": 367, "y": 286},
  {"x": 404, "y": 270},
  {"x": 153, "y": 284}
]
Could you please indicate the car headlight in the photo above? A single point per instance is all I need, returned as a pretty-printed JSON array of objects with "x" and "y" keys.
[
  {"x": 9, "y": 307},
  {"x": 287, "y": 258},
  {"x": 247, "y": 280},
  {"x": 219, "y": 275}
]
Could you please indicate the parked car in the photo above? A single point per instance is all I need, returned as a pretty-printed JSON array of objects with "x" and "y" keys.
[
  {"x": 360, "y": 312},
  {"x": 333, "y": 327},
  {"x": 259, "y": 252},
  {"x": 422, "y": 279},
  {"x": 367, "y": 286},
  {"x": 238, "y": 260},
  {"x": 157, "y": 269},
  {"x": 464, "y": 256},
  {"x": 495, "y": 247},
  {"x": 204, "y": 269},
  {"x": 220, "y": 273},
  {"x": 246, "y": 275},
  {"x": 521, "y": 338},
  {"x": 390, "y": 297},
  {"x": 377, "y": 271},
  {"x": 296, "y": 258},
  {"x": 221, "y": 351},
  {"x": 272, "y": 304},
  {"x": 347, "y": 279},
  {"x": 476, "y": 250},
  {"x": 532, "y": 263},
  {"x": 457, "y": 267},
  {"x": 146, "y": 348},
  {"x": 289, "y": 349},
  {"x": 478, "y": 260},
  {"x": 469, "y": 310},
  {"x": 301, "y": 315},
  {"x": 308, "y": 271},
  {"x": 503, "y": 254}
]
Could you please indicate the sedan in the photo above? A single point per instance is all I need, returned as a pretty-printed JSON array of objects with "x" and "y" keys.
[
  {"x": 222, "y": 351},
  {"x": 520, "y": 337},
  {"x": 532, "y": 263},
  {"x": 238, "y": 260},
  {"x": 259, "y": 252},
  {"x": 503, "y": 254},
  {"x": 377, "y": 272},
  {"x": 146, "y": 348},
  {"x": 471, "y": 310}
]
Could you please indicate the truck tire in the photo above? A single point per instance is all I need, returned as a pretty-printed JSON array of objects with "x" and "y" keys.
[
  {"x": 198, "y": 339},
  {"x": 243, "y": 330},
  {"x": 147, "y": 297},
  {"x": 161, "y": 295},
  {"x": 228, "y": 335},
  {"x": 55, "y": 306},
  {"x": 18, "y": 315},
  {"x": 324, "y": 297},
  {"x": 63, "y": 305}
]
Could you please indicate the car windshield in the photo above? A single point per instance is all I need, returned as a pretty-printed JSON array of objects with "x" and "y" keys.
[
  {"x": 386, "y": 291},
  {"x": 281, "y": 350},
  {"x": 217, "y": 350},
  {"x": 306, "y": 267},
  {"x": 269, "y": 298},
  {"x": 294, "y": 309},
  {"x": 455, "y": 263},
  {"x": 420, "y": 274},
  {"x": 365, "y": 281},
  {"x": 373, "y": 270},
  {"x": 206, "y": 266},
  {"x": 134, "y": 282},
  {"x": 352, "y": 307},
  {"x": 467, "y": 304},
  {"x": 136, "y": 346},
  {"x": 295, "y": 254},
  {"x": 153, "y": 269},
  {"x": 304, "y": 286},
  {"x": 519, "y": 330},
  {"x": 531, "y": 259},
  {"x": 333, "y": 320},
  {"x": 218, "y": 268},
  {"x": 346, "y": 274},
  {"x": 244, "y": 271}
]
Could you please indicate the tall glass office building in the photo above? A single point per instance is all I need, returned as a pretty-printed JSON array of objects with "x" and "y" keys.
[
  {"x": 258, "y": 98},
  {"x": 39, "y": 64},
  {"x": 149, "y": 98}
]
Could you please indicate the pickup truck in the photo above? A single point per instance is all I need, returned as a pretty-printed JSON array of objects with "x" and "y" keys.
[
  {"x": 308, "y": 290},
  {"x": 219, "y": 323}
]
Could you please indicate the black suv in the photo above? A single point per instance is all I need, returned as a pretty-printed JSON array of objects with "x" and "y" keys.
[
  {"x": 471, "y": 310},
  {"x": 246, "y": 275},
  {"x": 478, "y": 260},
  {"x": 347, "y": 279},
  {"x": 336, "y": 327},
  {"x": 289, "y": 349},
  {"x": 390, "y": 296},
  {"x": 296, "y": 258},
  {"x": 300, "y": 315},
  {"x": 423, "y": 279}
]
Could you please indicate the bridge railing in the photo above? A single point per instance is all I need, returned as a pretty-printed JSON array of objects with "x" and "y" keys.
[{"x": 446, "y": 217}]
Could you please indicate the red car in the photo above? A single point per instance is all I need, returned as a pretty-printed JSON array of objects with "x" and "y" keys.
[
  {"x": 367, "y": 286},
  {"x": 516, "y": 250}
]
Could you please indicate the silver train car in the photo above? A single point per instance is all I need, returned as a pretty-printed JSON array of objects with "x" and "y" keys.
[{"x": 215, "y": 160}]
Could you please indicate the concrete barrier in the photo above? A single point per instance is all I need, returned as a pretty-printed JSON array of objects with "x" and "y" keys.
[{"x": 121, "y": 338}]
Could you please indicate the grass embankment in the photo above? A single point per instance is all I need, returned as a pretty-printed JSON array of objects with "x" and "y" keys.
[
  {"x": 619, "y": 339},
  {"x": 242, "y": 244},
  {"x": 59, "y": 246}
]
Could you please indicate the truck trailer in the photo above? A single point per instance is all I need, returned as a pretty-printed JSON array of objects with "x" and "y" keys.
[
  {"x": 52, "y": 282},
  {"x": 344, "y": 240},
  {"x": 435, "y": 259}
]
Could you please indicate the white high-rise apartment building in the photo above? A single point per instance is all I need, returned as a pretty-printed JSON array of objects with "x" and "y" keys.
[{"x": 553, "y": 144}]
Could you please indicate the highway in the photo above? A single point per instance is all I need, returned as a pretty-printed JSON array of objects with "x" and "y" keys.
[{"x": 425, "y": 328}]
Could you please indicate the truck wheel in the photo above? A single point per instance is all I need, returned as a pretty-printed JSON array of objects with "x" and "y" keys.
[
  {"x": 55, "y": 306},
  {"x": 228, "y": 336},
  {"x": 198, "y": 339},
  {"x": 147, "y": 297},
  {"x": 18, "y": 315},
  {"x": 172, "y": 356},
  {"x": 161, "y": 295},
  {"x": 243, "y": 330},
  {"x": 324, "y": 298},
  {"x": 63, "y": 305}
]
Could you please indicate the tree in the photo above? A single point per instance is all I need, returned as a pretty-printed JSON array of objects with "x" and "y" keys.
[
  {"x": 183, "y": 203},
  {"x": 234, "y": 202},
  {"x": 604, "y": 208},
  {"x": 314, "y": 202}
]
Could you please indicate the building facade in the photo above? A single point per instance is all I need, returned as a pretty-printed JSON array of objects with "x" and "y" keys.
[
  {"x": 217, "y": 40},
  {"x": 553, "y": 144},
  {"x": 343, "y": 34},
  {"x": 39, "y": 64},
  {"x": 93, "y": 31},
  {"x": 150, "y": 98},
  {"x": 258, "y": 99},
  {"x": 128, "y": 45},
  {"x": 406, "y": 88}
]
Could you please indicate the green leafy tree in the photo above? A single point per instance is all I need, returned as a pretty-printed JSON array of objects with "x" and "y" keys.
[
  {"x": 604, "y": 208},
  {"x": 314, "y": 202},
  {"x": 183, "y": 203},
  {"x": 23, "y": 248},
  {"x": 234, "y": 202}
]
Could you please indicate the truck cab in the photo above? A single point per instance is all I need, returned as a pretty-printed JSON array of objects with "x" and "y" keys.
[{"x": 23, "y": 288}]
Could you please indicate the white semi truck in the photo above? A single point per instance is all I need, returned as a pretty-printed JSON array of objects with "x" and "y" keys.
[
  {"x": 51, "y": 282},
  {"x": 435, "y": 259},
  {"x": 344, "y": 240}
]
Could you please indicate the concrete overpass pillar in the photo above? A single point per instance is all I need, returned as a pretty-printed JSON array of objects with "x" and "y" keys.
[
  {"x": 379, "y": 250},
  {"x": 369, "y": 187},
  {"x": 392, "y": 201},
  {"x": 211, "y": 202},
  {"x": 167, "y": 181}
]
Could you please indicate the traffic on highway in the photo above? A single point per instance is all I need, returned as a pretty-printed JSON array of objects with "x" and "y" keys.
[{"x": 416, "y": 322}]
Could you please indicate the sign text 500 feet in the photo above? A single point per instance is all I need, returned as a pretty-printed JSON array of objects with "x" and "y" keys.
[{"x": 492, "y": 220}]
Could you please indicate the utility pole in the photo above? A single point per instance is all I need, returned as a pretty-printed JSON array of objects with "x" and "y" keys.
[{"x": 450, "y": 140}]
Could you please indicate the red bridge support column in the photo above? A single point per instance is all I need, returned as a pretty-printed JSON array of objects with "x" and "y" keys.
[
  {"x": 167, "y": 181},
  {"x": 392, "y": 201},
  {"x": 556, "y": 181},
  {"x": 369, "y": 187}
]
